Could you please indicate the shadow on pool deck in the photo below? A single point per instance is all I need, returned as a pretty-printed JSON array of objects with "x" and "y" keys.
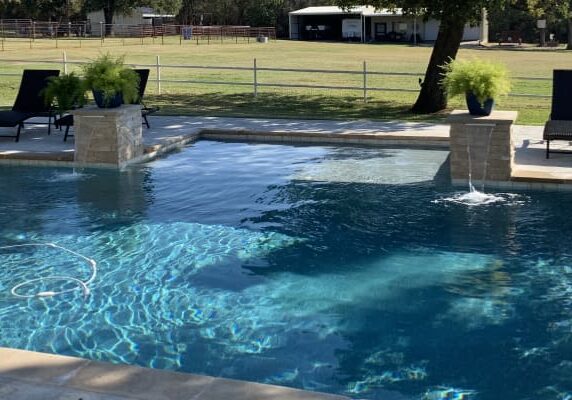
[{"x": 35, "y": 144}]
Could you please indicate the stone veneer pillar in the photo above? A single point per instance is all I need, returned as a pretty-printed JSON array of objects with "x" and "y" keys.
[
  {"x": 488, "y": 140},
  {"x": 108, "y": 136}
]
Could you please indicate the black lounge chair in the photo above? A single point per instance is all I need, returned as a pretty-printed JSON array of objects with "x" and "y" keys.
[
  {"x": 560, "y": 125},
  {"x": 145, "y": 110},
  {"x": 67, "y": 120},
  {"x": 29, "y": 101}
]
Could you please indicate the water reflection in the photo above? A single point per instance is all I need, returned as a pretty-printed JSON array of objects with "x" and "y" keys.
[{"x": 277, "y": 264}]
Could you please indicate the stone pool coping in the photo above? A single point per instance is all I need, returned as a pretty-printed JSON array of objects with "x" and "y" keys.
[
  {"x": 28, "y": 375},
  {"x": 530, "y": 171}
]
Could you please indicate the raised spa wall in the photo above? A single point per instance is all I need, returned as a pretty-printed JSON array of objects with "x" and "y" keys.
[
  {"x": 108, "y": 136},
  {"x": 482, "y": 147}
]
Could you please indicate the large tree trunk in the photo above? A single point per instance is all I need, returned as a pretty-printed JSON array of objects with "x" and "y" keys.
[
  {"x": 108, "y": 11},
  {"x": 569, "y": 46},
  {"x": 432, "y": 97}
]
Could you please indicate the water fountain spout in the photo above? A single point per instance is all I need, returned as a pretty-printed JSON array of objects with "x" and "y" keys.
[
  {"x": 478, "y": 143},
  {"x": 474, "y": 139}
]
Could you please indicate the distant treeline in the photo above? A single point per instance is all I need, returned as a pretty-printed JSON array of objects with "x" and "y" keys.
[{"x": 521, "y": 16}]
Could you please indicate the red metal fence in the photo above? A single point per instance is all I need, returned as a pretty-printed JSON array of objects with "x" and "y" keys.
[{"x": 29, "y": 29}]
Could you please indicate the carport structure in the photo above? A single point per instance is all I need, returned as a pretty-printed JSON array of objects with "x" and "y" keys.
[{"x": 365, "y": 24}]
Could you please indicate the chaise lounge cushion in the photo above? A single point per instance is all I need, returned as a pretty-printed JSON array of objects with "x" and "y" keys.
[
  {"x": 12, "y": 118},
  {"x": 558, "y": 130},
  {"x": 561, "y": 95}
]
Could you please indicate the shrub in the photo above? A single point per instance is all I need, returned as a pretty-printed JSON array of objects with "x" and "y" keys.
[
  {"x": 485, "y": 79},
  {"x": 65, "y": 92},
  {"x": 110, "y": 76}
]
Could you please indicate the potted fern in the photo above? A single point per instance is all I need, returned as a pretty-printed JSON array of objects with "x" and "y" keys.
[
  {"x": 111, "y": 82},
  {"x": 481, "y": 82},
  {"x": 64, "y": 92}
]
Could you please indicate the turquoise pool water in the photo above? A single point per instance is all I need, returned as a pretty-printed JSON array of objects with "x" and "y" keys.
[{"x": 337, "y": 269}]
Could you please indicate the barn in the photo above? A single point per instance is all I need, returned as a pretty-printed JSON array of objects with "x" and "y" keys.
[
  {"x": 368, "y": 24},
  {"x": 137, "y": 16}
]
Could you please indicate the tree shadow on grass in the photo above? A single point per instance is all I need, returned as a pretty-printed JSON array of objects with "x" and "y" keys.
[
  {"x": 274, "y": 105},
  {"x": 271, "y": 105}
]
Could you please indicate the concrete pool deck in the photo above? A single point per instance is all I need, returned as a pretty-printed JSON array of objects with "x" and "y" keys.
[
  {"x": 26, "y": 375},
  {"x": 531, "y": 168}
]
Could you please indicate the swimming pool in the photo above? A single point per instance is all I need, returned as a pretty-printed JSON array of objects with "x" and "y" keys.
[{"x": 337, "y": 269}]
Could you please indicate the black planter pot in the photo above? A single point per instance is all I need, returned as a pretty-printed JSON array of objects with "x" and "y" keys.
[
  {"x": 476, "y": 108},
  {"x": 113, "y": 102}
]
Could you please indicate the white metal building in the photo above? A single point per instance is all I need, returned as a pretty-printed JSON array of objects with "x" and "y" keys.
[
  {"x": 138, "y": 16},
  {"x": 366, "y": 24}
]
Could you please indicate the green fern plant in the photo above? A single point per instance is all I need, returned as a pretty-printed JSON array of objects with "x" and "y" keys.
[
  {"x": 64, "y": 92},
  {"x": 110, "y": 76},
  {"x": 485, "y": 79}
]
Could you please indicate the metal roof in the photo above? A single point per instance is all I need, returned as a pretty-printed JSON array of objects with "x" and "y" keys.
[
  {"x": 145, "y": 15},
  {"x": 148, "y": 12},
  {"x": 367, "y": 11}
]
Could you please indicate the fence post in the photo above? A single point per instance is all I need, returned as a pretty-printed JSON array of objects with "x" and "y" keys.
[
  {"x": 101, "y": 28},
  {"x": 365, "y": 82},
  {"x": 65, "y": 62},
  {"x": 2, "y": 30},
  {"x": 33, "y": 30},
  {"x": 31, "y": 33},
  {"x": 158, "y": 74},
  {"x": 255, "y": 79}
]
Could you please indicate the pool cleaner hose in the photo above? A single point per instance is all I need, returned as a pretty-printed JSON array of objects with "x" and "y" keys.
[{"x": 81, "y": 285}]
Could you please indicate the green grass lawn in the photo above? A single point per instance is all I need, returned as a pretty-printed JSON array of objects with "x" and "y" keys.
[{"x": 233, "y": 100}]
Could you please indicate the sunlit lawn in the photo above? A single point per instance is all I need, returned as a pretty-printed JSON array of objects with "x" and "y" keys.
[{"x": 201, "y": 99}]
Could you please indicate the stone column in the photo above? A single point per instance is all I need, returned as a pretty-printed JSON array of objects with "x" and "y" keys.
[
  {"x": 108, "y": 136},
  {"x": 482, "y": 143}
]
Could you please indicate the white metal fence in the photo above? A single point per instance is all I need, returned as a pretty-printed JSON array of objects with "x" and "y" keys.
[{"x": 256, "y": 84}]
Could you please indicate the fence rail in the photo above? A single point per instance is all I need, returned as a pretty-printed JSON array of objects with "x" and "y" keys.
[
  {"x": 29, "y": 30},
  {"x": 256, "y": 84}
]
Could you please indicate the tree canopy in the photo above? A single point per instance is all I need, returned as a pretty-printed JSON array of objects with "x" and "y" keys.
[
  {"x": 552, "y": 11},
  {"x": 467, "y": 10}
]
